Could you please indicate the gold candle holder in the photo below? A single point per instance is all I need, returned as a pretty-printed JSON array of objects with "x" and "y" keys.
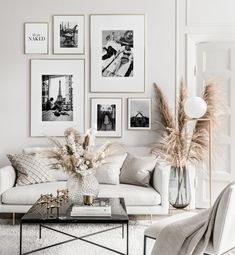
[{"x": 88, "y": 199}]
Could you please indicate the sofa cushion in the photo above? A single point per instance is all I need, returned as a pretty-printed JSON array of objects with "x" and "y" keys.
[
  {"x": 133, "y": 195},
  {"x": 136, "y": 170},
  {"x": 29, "y": 194},
  {"x": 30, "y": 170},
  {"x": 57, "y": 173},
  {"x": 109, "y": 172}
]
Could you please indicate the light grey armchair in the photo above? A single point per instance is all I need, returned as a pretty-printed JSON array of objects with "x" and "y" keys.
[{"x": 223, "y": 236}]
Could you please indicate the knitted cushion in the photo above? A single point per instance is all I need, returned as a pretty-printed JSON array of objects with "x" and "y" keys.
[{"x": 30, "y": 169}]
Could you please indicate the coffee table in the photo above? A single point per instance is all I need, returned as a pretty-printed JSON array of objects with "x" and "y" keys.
[{"x": 38, "y": 215}]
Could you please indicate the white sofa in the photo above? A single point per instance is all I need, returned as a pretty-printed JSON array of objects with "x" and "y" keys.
[{"x": 139, "y": 200}]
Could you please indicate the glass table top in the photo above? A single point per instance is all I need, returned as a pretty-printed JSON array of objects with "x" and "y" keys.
[{"x": 39, "y": 213}]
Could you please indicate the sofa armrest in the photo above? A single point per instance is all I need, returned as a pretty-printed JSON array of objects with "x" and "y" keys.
[
  {"x": 7, "y": 178},
  {"x": 161, "y": 181}
]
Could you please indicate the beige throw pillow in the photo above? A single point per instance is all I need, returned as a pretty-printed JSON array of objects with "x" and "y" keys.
[
  {"x": 30, "y": 169},
  {"x": 137, "y": 170},
  {"x": 57, "y": 173},
  {"x": 109, "y": 172}
]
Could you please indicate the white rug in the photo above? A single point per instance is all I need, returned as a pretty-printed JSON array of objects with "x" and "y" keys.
[{"x": 9, "y": 239}]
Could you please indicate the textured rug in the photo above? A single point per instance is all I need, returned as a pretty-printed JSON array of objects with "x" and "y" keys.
[{"x": 9, "y": 239}]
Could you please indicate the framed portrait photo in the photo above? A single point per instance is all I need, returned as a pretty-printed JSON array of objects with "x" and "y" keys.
[
  {"x": 106, "y": 116},
  {"x": 36, "y": 38},
  {"x": 139, "y": 113},
  {"x": 57, "y": 96},
  {"x": 117, "y": 44},
  {"x": 69, "y": 32}
]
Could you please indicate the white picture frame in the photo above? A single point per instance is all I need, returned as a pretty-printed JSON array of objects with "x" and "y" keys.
[
  {"x": 106, "y": 116},
  {"x": 139, "y": 113},
  {"x": 117, "y": 52},
  {"x": 36, "y": 38},
  {"x": 57, "y": 96},
  {"x": 69, "y": 34}
]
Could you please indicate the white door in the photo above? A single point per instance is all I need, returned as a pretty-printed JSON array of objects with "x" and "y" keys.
[{"x": 217, "y": 59}]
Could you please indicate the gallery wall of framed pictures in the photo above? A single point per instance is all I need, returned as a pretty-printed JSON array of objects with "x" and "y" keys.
[{"x": 117, "y": 64}]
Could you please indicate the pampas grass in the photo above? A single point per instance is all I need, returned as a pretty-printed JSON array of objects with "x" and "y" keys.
[
  {"x": 182, "y": 118},
  {"x": 166, "y": 117},
  {"x": 177, "y": 146}
]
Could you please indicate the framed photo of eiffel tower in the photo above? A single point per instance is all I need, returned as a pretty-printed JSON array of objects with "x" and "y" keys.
[
  {"x": 57, "y": 96},
  {"x": 139, "y": 113}
]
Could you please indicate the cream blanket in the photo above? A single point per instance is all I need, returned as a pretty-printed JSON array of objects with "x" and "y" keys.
[{"x": 189, "y": 236}]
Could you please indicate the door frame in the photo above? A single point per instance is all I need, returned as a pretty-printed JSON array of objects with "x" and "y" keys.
[
  {"x": 191, "y": 47},
  {"x": 192, "y": 40}
]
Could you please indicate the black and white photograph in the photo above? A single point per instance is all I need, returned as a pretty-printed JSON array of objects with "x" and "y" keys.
[
  {"x": 57, "y": 98},
  {"x": 106, "y": 116},
  {"x": 139, "y": 113},
  {"x": 117, "y": 57},
  {"x": 36, "y": 38},
  {"x": 69, "y": 34},
  {"x": 117, "y": 53}
]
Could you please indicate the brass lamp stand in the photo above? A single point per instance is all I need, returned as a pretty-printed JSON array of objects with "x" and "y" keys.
[
  {"x": 209, "y": 151},
  {"x": 195, "y": 108}
]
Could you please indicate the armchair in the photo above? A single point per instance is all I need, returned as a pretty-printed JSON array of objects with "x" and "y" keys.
[{"x": 223, "y": 233}]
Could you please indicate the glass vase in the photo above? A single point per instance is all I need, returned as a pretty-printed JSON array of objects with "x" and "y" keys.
[
  {"x": 179, "y": 187},
  {"x": 79, "y": 186}
]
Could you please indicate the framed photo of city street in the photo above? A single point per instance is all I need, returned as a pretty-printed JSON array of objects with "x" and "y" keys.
[
  {"x": 57, "y": 96},
  {"x": 106, "y": 116},
  {"x": 69, "y": 34},
  {"x": 139, "y": 113},
  {"x": 117, "y": 51},
  {"x": 36, "y": 38}
]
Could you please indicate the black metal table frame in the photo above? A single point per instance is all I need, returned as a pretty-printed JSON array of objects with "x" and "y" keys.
[{"x": 74, "y": 238}]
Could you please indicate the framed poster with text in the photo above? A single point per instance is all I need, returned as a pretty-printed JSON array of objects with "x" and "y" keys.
[{"x": 36, "y": 38}]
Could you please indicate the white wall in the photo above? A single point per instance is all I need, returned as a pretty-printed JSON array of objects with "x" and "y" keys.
[
  {"x": 211, "y": 22},
  {"x": 15, "y": 66}
]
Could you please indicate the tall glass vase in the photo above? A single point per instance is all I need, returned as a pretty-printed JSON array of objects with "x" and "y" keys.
[
  {"x": 179, "y": 187},
  {"x": 80, "y": 186}
]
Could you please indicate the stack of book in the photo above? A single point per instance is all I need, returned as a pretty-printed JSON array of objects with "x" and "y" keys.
[{"x": 94, "y": 210}]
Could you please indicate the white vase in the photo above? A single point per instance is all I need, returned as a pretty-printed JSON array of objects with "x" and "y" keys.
[{"x": 80, "y": 186}]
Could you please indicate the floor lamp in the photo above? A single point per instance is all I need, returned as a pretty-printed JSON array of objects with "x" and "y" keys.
[{"x": 195, "y": 108}]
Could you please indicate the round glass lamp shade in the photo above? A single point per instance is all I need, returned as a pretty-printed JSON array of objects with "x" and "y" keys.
[{"x": 195, "y": 107}]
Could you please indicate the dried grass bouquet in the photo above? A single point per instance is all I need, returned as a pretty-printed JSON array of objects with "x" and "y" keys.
[
  {"x": 177, "y": 146},
  {"x": 77, "y": 155}
]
